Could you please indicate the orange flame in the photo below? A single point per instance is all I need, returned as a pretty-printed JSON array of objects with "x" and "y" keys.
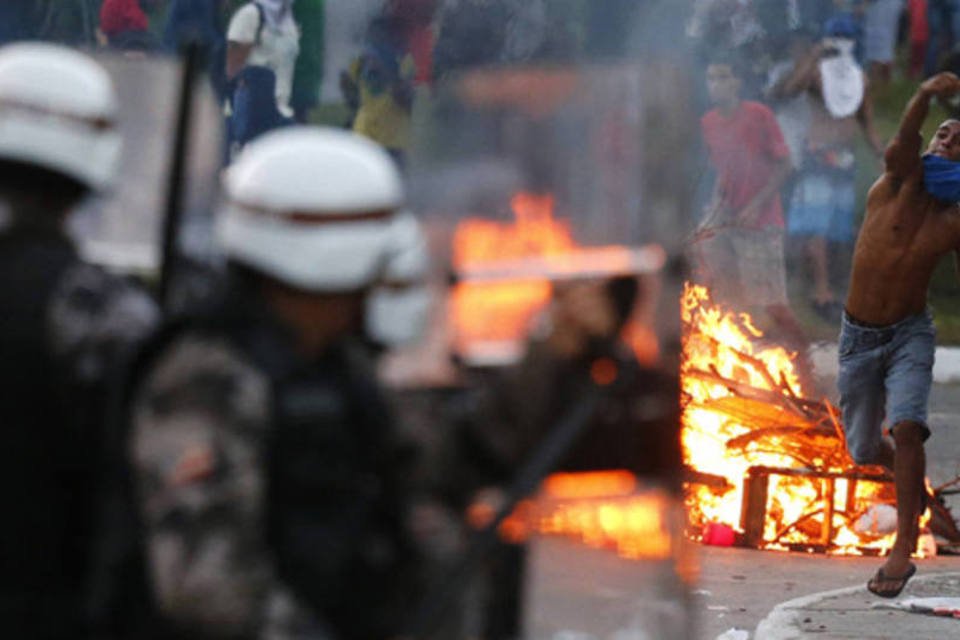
[
  {"x": 603, "y": 509},
  {"x": 495, "y": 314},
  {"x": 719, "y": 345},
  {"x": 610, "y": 510},
  {"x": 636, "y": 526},
  {"x": 492, "y": 314}
]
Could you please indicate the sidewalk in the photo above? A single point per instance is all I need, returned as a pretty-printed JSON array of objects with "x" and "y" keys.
[
  {"x": 855, "y": 614},
  {"x": 946, "y": 367}
]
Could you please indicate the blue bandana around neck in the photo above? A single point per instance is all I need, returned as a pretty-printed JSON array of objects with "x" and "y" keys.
[{"x": 941, "y": 178}]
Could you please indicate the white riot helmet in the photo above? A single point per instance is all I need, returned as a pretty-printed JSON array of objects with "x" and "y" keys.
[
  {"x": 316, "y": 208},
  {"x": 58, "y": 111},
  {"x": 398, "y": 307}
]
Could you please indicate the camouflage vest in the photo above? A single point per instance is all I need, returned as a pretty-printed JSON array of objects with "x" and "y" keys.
[{"x": 335, "y": 503}]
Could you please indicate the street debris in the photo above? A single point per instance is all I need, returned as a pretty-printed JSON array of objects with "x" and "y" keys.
[{"x": 936, "y": 606}]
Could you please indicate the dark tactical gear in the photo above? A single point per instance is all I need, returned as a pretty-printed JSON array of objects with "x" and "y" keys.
[
  {"x": 269, "y": 484},
  {"x": 64, "y": 326}
]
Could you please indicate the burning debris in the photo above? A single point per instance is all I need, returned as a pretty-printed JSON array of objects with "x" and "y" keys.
[
  {"x": 766, "y": 466},
  {"x": 763, "y": 460}
]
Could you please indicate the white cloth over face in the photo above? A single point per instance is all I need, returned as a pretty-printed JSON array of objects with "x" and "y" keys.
[{"x": 842, "y": 81}]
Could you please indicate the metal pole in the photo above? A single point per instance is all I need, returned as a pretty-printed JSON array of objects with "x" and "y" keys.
[{"x": 173, "y": 211}]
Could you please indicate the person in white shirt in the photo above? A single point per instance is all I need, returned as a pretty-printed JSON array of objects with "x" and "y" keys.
[{"x": 264, "y": 33}]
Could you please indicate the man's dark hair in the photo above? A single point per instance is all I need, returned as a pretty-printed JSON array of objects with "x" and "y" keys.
[{"x": 727, "y": 58}]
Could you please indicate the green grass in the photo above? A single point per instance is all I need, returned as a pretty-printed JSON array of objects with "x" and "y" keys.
[{"x": 332, "y": 114}]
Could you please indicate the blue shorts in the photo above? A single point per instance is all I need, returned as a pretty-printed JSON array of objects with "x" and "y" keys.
[
  {"x": 823, "y": 205},
  {"x": 885, "y": 375}
]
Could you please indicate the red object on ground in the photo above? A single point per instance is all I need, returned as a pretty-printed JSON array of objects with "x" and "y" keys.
[
  {"x": 718, "y": 534},
  {"x": 117, "y": 16}
]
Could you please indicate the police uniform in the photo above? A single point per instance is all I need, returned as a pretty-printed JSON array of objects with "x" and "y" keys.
[
  {"x": 268, "y": 472},
  {"x": 65, "y": 327},
  {"x": 268, "y": 483}
]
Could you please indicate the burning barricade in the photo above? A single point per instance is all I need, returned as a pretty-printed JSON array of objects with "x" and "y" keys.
[{"x": 765, "y": 464}]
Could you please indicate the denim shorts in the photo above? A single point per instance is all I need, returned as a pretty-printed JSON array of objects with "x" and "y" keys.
[
  {"x": 823, "y": 205},
  {"x": 884, "y": 377}
]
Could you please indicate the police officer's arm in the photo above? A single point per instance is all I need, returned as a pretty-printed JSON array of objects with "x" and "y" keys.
[
  {"x": 200, "y": 420},
  {"x": 496, "y": 429}
]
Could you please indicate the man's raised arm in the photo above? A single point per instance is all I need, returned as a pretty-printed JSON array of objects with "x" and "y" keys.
[{"x": 903, "y": 153}]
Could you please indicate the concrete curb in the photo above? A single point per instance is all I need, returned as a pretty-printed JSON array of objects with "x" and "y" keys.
[
  {"x": 946, "y": 367},
  {"x": 782, "y": 623}
]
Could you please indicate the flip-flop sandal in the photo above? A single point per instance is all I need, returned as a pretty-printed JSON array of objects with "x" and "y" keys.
[{"x": 881, "y": 577}]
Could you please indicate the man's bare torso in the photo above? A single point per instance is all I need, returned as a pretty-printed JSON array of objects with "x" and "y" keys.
[
  {"x": 825, "y": 130},
  {"x": 905, "y": 233}
]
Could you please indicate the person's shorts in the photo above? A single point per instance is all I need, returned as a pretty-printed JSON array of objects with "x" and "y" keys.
[
  {"x": 823, "y": 205},
  {"x": 744, "y": 266},
  {"x": 885, "y": 377}
]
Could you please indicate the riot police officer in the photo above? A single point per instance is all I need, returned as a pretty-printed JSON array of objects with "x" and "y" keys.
[
  {"x": 64, "y": 325},
  {"x": 269, "y": 480}
]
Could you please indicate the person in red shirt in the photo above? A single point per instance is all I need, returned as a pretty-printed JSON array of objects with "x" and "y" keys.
[
  {"x": 919, "y": 36},
  {"x": 125, "y": 26},
  {"x": 739, "y": 243},
  {"x": 416, "y": 20}
]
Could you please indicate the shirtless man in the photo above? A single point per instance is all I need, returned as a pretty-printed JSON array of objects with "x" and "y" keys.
[{"x": 887, "y": 335}]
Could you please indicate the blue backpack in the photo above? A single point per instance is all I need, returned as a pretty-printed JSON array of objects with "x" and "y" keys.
[
  {"x": 253, "y": 101},
  {"x": 254, "y": 105}
]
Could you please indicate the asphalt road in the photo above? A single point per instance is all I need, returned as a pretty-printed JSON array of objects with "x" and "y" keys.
[{"x": 577, "y": 593}]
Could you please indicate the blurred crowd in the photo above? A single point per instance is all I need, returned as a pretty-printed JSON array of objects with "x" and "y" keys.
[
  {"x": 263, "y": 48},
  {"x": 816, "y": 64},
  {"x": 796, "y": 89}
]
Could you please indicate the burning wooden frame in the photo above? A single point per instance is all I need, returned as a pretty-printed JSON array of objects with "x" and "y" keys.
[
  {"x": 763, "y": 459},
  {"x": 833, "y": 488}
]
